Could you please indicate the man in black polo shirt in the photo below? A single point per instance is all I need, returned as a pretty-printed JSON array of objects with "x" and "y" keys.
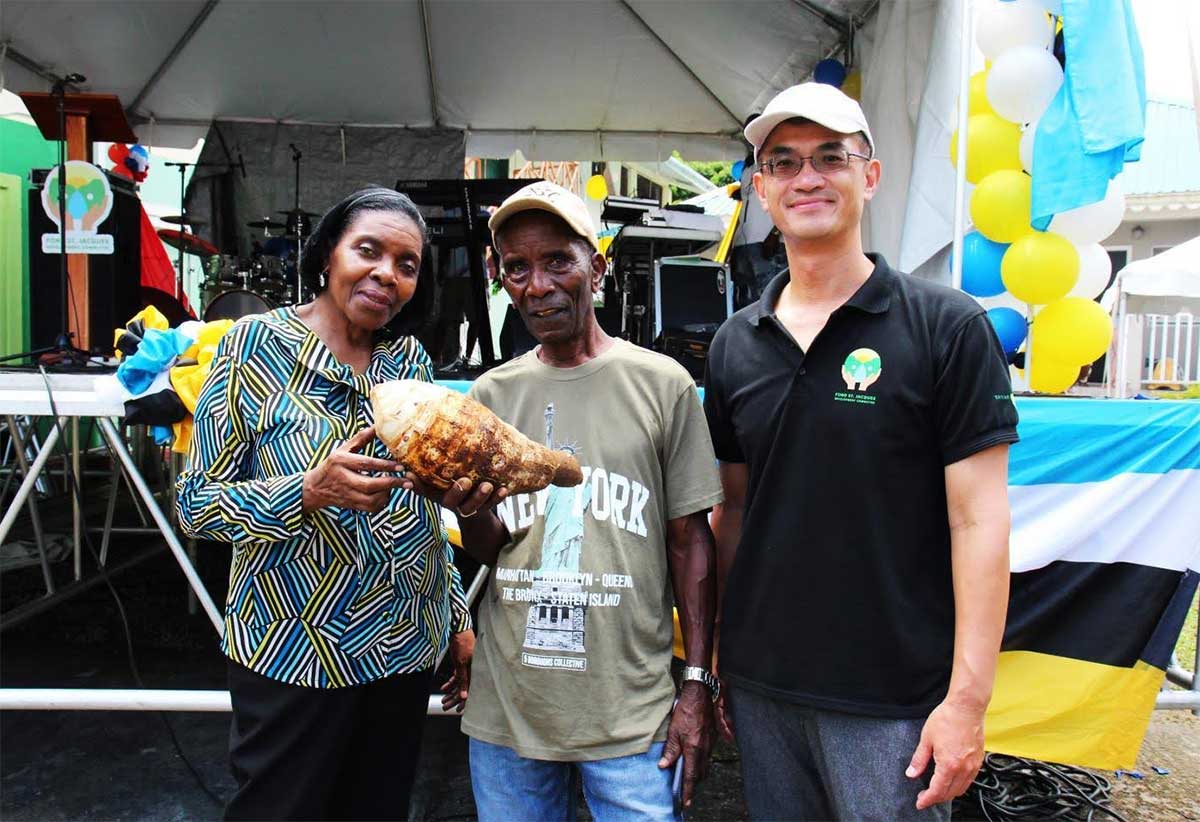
[{"x": 862, "y": 419}]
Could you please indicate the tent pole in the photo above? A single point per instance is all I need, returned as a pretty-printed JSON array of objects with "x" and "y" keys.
[
  {"x": 173, "y": 54},
  {"x": 960, "y": 180},
  {"x": 434, "y": 107},
  {"x": 680, "y": 62}
]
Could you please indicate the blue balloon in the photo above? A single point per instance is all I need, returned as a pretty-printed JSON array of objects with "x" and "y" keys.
[
  {"x": 1010, "y": 327},
  {"x": 981, "y": 265},
  {"x": 830, "y": 72},
  {"x": 737, "y": 169}
]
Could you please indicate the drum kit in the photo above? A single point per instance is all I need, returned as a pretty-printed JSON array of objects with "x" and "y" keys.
[{"x": 235, "y": 286}]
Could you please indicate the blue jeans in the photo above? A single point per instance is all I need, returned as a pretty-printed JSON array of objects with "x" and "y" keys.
[
  {"x": 803, "y": 763},
  {"x": 508, "y": 786}
]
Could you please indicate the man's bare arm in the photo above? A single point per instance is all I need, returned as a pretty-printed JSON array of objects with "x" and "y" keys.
[
  {"x": 727, "y": 532},
  {"x": 977, "y": 507},
  {"x": 690, "y": 556}
]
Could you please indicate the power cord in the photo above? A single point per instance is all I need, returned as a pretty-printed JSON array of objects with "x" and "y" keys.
[
  {"x": 133, "y": 666},
  {"x": 1012, "y": 788}
]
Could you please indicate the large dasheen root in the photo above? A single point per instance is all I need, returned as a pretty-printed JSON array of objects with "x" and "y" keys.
[{"x": 440, "y": 435}]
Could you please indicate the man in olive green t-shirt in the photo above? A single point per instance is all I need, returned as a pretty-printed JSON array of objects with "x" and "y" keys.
[{"x": 575, "y": 630}]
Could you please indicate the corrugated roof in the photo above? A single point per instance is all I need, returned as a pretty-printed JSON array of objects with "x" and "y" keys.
[{"x": 1171, "y": 154}]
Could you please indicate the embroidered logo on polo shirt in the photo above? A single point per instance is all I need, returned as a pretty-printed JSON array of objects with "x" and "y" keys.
[{"x": 862, "y": 368}]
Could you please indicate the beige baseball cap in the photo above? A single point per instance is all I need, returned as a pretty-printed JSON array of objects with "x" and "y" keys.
[
  {"x": 546, "y": 196},
  {"x": 819, "y": 102}
]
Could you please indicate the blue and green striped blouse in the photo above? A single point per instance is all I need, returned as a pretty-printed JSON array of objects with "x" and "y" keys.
[{"x": 337, "y": 596}]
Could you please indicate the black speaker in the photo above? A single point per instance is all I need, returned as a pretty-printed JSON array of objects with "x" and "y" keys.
[
  {"x": 114, "y": 280},
  {"x": 689, "y": 291}
]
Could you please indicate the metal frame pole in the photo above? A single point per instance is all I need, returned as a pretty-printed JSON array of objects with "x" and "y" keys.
[
  {"x": 39, "y": 462},
  {"x": 39, "y": 536},
  {"x": 76, "y": 511},
  {"x": 960, "y": 178},
  {"x": 160, "y": 519}
]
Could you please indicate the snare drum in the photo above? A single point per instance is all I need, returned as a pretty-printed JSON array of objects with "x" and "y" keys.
[{"x": 235, "y": 304}]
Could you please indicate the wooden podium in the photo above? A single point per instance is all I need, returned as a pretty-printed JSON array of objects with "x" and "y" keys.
[{"x": 90, "y": 118}]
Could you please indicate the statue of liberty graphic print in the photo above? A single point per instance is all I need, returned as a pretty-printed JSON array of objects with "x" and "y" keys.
[{"x": 555, "y": 622}]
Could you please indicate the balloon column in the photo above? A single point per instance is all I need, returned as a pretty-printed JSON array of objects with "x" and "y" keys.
[{"x": 1007, "y": 264}]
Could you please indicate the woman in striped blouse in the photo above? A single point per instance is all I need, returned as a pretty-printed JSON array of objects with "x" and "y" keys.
[{"x": 342, "y": 593}]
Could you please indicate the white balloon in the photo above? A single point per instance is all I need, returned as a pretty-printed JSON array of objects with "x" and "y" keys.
[
  {"x": 1095, "y": 270},
  {"x": 1005, "y": 24},
  {"x": 1092, "y": 223},
  {"x": 1025, "y": 147},
  {"x": 1022, "y": 82}
]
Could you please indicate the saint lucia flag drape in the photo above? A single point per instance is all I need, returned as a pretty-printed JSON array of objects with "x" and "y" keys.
[
  {"x": 1105, "y": 499},
  {"x": 1105, "y": 555}
]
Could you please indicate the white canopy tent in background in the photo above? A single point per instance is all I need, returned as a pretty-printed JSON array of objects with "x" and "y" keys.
[
  {"x": 602, "y": 79},
  {"x": 1158, "y": 320},
  {"x": 1166, "y": 283}
]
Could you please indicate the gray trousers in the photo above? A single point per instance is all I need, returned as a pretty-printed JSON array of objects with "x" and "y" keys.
[{"x": 801, "y": 763}]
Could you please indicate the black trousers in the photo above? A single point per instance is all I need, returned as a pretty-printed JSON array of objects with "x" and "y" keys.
[{"x": 324, "y": 753}]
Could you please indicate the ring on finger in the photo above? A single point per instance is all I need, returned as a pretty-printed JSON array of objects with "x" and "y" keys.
[{"x": 466, "y": 516}]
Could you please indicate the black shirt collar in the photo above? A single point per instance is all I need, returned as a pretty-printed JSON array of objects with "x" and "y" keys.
[{"x": 874, "y": 296}]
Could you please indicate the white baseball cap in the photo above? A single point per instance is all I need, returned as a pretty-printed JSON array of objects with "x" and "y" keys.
[
  {"x": 546, "y": 196},
  {"x": 820, "y": 102}
]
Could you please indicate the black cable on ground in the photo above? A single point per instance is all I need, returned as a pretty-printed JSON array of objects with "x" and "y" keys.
[
  {"x": 1011, "y": 788},
  {"x": 72, "y": 480}
]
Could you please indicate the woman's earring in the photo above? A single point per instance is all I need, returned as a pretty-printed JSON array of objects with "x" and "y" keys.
[{"x": 322, "y": 279}]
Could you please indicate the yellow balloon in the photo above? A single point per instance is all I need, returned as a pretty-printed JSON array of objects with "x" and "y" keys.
[
  {"x": 1039, "y": 268},
  {"x": 1074, "y": 329},
  {"x": 993, "y": 144},
  {"x": 1050, "y": 376},
  {"x": 852, "y": 85},
  {"x": 596, "y": 187},
  {"x": 1000, "y": 205},
  {"x": 977, "y": 101}
]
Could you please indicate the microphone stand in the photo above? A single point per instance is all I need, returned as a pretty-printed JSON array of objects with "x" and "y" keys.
[
  {"x": 183, "y": 167},
  {"x": 60, "y": 93},
  {"x": 299, "y": 218}
]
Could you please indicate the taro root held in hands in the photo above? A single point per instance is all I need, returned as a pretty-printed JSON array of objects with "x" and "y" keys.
[{"x": 440, "y": 435}]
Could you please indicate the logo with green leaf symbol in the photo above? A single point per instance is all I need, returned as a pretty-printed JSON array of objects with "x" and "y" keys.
[{"x": 861, "y": 369}]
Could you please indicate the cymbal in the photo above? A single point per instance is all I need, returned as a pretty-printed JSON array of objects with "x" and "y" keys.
[
  {"x": 188, "y": 243},
  {"x": 267, "y": 223},
  {"x": 184, "y": 219},
  {"x": 299, "y": 221}
]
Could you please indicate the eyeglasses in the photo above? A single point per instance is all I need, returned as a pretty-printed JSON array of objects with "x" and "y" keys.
[{"x": 828, "y": 161}]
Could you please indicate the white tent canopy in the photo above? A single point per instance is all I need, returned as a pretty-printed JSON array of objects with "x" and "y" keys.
[
  {"x": 614, "y": 79},
  {"x": 1164, "y": 284},
  {"x": 623, "y": 80}
]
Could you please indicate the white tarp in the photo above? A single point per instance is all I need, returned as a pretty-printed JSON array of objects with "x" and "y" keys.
[
  {"x": 612, "y": 79},
  {"x": 911, "y": 84}
]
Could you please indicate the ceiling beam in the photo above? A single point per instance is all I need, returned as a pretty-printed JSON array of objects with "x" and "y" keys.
[
  {"x": 829, "y": 18},
  {"x": 29, "y": 64},
  {"x": 173, "y": 54},
  {"x": 434, "y": 107},
  {"x": 732, "y": 134},
  {"x": 679, "y": 60}
]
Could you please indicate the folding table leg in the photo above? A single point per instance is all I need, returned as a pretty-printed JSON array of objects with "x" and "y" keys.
[
  {"x": 39, "y": 537},
  {"x": 160, "y": 519}
]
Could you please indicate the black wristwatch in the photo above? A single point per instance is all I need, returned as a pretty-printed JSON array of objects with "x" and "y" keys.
[{"x": 693, "y": 673}]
